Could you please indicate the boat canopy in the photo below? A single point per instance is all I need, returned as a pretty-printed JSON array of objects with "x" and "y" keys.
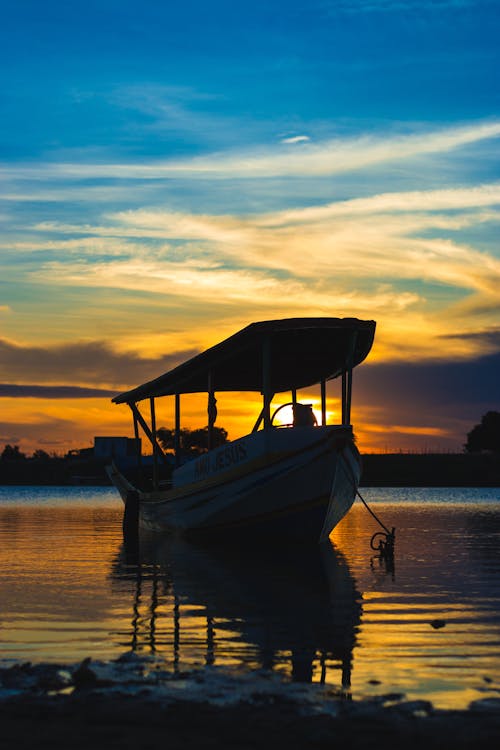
[{"x": 272, "y": 355}]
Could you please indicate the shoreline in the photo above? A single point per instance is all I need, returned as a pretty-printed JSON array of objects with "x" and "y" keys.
[
  {"x": 133, "y": 702},
  {"x": 379, "y": 470}
]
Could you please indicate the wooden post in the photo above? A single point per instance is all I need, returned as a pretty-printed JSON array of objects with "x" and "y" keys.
[
  {"x": 177, "y": 438},
  {"x": 348, "y": 396},
  {"x": 212, "y": 410},
  {"x": 136, "y": 434},
  {"x": 350, "y": 363},
  {"x": 155, "y": 452},
  {"x": 259, "y": 420},
  {"x": 323, "y": 403},
  {"x": 266, "y": 381},
  {"x": 344, "y": 398},
  {"x": 145, "y": 427}
]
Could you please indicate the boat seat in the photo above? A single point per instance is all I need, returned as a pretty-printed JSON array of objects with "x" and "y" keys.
[{"x": 303, "y": 415}]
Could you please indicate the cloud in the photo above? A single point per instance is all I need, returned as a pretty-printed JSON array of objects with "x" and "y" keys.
[
  {"x": 31, "y": 432},
  {"x": 249, "y": 255},
  {"x": 83, "y": 193},
  {"x": 327, "y": 259},
  {"x": 454, "y": 387},
  {"x": 296, "y": 139},
  {"x": 81, "y": 364},
  {"x": 167, "y": 110},
  {"x": 415, "y": 260},
  {"x": 8, "y": 390},
  {"x": 488, "y": 339},
  {"x": 427, "y": 201},
  {"x": 10, "y": 439},
  {"x": 423, "y": 405},
  {"x": 333, "y": 156}
]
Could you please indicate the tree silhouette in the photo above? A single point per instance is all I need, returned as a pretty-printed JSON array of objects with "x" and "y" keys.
[
  {"x": 12, "y": 453},
  {"x": 485, "y": 436},
  {"x": 41, "y": 455},
  {"x": 192, "y": 441}
]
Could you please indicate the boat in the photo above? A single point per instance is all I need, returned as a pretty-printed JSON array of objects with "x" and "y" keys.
[{"x": 292, "y": 481}]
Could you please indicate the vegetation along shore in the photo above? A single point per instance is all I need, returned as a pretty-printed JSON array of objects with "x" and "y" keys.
[
  {"x": 379, "y": 470},
  {"x": 477, "y": 466}
]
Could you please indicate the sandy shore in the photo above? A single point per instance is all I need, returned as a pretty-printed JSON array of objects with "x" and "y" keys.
[{"x": 134, "y": 703}]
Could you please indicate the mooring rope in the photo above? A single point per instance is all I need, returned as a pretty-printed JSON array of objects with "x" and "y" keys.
[{"x": 386, "y": 545}]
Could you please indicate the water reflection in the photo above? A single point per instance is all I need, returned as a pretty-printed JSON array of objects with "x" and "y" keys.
[
  {"x": 69, "y": 591},
  {"x": 257, "y": 608}
]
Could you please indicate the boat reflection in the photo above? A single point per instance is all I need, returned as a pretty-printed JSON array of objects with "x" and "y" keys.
[{"x": 254, "y": 608}]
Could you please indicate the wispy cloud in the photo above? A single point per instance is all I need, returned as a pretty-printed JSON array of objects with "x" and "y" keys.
[
  {"x": 178, "y": 110},
  {"x": 381, "y": 232},
  {"x": 319, "y": 260},
  {"x": 376, "y": 255},
  {"x": 296, "y": 139},
  {"x": 329, "y": 157}
]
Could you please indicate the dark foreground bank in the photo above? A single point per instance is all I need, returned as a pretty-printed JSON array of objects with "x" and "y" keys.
[{"x": 134, "y": 703}]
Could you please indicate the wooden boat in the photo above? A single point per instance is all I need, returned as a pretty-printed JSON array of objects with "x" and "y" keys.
[{"x": 291, "y": 482}]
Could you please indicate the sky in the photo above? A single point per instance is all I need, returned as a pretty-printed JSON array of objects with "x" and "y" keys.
[{"x": 171, "y": 172}]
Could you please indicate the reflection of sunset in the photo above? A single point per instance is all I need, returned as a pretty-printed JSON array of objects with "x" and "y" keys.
[
  {"x": 397, "y": 644},
  {"x": 69, "y": 591},
  {"x": 50, "y": 584}
]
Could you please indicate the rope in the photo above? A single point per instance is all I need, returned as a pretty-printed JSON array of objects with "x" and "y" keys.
[
  {"x": 385, "y": 546},
  {"x": 358, "y": 493}
]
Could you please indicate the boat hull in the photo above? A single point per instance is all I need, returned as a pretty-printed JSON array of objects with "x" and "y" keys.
[{"x": 292, "y": 484}]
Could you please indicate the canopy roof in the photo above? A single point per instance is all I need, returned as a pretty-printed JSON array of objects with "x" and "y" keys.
[{"x": 300, "y": 352}]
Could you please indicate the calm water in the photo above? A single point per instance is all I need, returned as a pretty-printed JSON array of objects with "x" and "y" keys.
[{"x": 69, "y": 589}]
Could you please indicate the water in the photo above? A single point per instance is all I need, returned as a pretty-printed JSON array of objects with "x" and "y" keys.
[{"x": 427, "y": 626}]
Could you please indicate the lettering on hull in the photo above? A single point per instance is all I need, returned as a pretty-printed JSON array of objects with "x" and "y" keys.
[{"x": 225, "y": 457}]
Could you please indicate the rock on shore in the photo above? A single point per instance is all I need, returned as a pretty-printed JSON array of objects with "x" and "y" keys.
[{"x": 134, "y": 702}]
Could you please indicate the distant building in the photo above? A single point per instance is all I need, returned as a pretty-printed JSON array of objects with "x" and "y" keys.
[{"x": 125, "y": 451}]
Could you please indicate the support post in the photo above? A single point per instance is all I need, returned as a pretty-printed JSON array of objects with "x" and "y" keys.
[
  {"x": 350, "y": 364},
  {"x": 212, "y": 411},
  {"x": 344, "y": 398},
  {"x": 323, "y": 402},
  {"x": 348, "y": 397},
  {"x": 136, "y": 435},
  {"x": 140, "y": 419},
  {"x": 266, "y": 381},
  {"x": 177, "y": 437},
  {"x": 259, "y": 420},
  {"x": 155, "y": 452}
]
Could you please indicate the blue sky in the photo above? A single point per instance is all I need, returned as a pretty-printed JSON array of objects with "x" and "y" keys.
[{"x": 171, "y": 172}]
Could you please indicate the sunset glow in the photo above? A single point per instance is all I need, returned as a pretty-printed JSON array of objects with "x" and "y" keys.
[{"x": 208, "y": 166}]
